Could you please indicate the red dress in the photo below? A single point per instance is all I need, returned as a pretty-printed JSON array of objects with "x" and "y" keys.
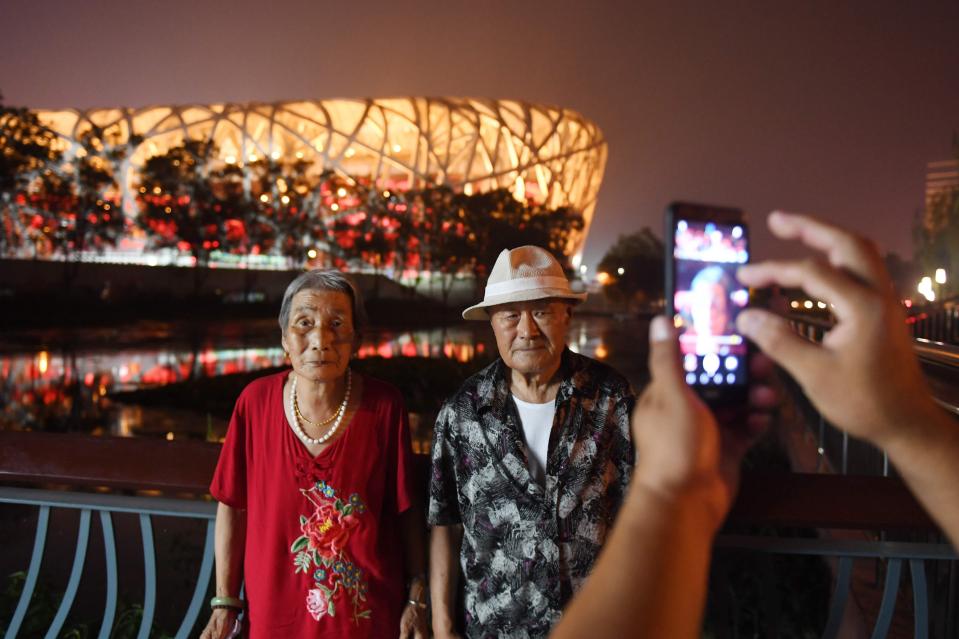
[{"x": 323, "y": 556}]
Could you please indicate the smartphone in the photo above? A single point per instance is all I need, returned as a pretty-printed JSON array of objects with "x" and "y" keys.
[{"x": 705, "y": 244}]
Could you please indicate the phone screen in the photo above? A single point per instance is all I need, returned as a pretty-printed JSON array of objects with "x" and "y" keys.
[{"x": 707, "y": 298}]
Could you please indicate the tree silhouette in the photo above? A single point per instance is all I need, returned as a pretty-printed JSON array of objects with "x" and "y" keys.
[{"x": 641, "y": 256}]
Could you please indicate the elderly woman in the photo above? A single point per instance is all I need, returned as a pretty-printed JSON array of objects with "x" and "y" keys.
[{"x": 316, "y": 515}]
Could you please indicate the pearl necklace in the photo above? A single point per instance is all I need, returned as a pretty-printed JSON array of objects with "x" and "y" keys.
[{"x": 306, "y": 439}]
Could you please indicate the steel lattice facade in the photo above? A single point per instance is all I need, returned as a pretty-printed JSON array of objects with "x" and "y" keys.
[{"x": 554, "y": 156}]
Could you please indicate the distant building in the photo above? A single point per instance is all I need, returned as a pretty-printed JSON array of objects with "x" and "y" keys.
[
  {"x": 551, "y": 155},
  {"x": 942, "y": 179}
]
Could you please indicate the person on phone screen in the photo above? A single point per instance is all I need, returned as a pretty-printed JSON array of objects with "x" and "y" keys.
[
  {"x": 650, "y": 579},
  {"x": 710, "y": 304}
]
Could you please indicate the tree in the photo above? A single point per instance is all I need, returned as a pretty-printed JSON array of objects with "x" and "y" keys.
[
  {"x": 641, "y": 257},
  {"x": 28, "y": 154},
  {"x": 187, "y": 204},
  {"x": 61, "y": 204}
]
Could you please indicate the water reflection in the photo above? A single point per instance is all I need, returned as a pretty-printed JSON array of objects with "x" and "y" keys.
[{"x": 67, "y": 387}]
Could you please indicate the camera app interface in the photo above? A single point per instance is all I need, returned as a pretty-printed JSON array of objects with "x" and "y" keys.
[{"x": 708, "y": 298}]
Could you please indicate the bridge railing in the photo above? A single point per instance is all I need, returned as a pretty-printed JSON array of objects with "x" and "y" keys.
[{"x": 102, "y": 480}]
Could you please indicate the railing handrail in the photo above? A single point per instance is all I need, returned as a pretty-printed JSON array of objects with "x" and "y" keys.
[
  {"x": 159, "y": 506},
  {"x": 84, "y": 461},
  {"x": 826, "y": 500}
]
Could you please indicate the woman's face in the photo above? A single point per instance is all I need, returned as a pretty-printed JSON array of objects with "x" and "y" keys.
[
  {"x": 710, "y": 310},
  {"x": 319, "y": 336}
]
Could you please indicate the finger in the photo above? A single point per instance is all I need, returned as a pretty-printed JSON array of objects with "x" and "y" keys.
[
  {"x": 814, "y": 276},
  {"x": 803, "y": 359},
  {"x": 843, "y": 248},
  {"x": 664, "y": 364}
]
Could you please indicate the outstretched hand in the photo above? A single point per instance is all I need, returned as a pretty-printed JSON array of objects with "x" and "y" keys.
[{"x": 864, "y": 377}]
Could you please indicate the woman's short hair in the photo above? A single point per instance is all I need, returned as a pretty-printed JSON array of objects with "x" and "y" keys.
[{"x": 323, "y": 280}]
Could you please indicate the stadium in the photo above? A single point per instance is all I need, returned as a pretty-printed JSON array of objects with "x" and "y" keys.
[{"x": 548, "y": 155}]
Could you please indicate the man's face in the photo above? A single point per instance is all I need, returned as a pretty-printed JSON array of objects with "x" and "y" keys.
[
  {"x": 710, "y": 310},
  {"x": 531, "y": 336}
]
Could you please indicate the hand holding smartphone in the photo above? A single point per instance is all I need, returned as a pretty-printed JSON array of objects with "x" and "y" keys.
[{"x": 705, "y": 245}]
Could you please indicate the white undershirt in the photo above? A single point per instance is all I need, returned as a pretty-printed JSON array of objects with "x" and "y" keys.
[{"x": 537, "y": 421}]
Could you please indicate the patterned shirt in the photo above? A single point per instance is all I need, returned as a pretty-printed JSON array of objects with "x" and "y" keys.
[{"x": 526, "y": 547}]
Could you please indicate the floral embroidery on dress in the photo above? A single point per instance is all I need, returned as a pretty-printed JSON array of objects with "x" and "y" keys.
[{"x": 321, "y": 549}]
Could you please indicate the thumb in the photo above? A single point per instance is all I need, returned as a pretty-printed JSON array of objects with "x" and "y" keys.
[{"x": 664, "y": 365}]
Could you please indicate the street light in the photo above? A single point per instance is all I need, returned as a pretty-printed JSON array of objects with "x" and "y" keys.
[{"x": 940, "y": 276}]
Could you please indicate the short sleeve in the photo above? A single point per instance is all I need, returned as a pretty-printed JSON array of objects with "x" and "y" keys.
[
  {"x": 444, "y": 504},
  {"x": 399, "y": 462},
  {"x": 229, "y": 479}
]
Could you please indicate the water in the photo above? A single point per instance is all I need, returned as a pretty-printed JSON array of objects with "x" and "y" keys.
[{"x": 63, "y": 380}]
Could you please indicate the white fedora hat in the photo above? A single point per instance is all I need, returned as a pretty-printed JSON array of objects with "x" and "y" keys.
[{"x": 521, "y": 275}]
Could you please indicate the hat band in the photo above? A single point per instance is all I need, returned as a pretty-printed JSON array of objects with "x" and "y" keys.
[{"x": 525, "y": 284}]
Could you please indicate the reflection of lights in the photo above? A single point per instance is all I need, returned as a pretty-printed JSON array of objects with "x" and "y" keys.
[
  {"x": 264, "y": 198},
  {"x": 285, "y": 199},
  {"x": 602, "y": 277},
  {"x": 350, "y": 152},
  {"x": 341, "y": 192},
  {"x": 737, "y": 232},
  {"x": 311, "y": 254},
  {"x": 583, "y": 268},
  {"x": 43, "y": 362},
  {"x": 821, "y": 304},
  {"x": 794, "y": 304},
  {"x": 170, "y": 436},
  {"x": 940, "y": 276},
  {"x": 601, "y": 352},
  {"x": 334, "y": 207},
  {"x": 620, "y": 270},
  {"x": 807, "y": 304}
]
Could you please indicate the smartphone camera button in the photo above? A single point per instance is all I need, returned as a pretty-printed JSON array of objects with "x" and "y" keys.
[{"x": 711, "y": 363}]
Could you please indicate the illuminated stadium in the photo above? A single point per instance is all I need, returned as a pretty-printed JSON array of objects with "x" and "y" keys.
[{"x": 552, "y": 156}]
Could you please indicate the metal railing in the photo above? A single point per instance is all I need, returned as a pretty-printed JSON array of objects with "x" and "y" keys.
[
  {"x": 105, "y": 507},
  {"x": 840, "y": 453},
  {"x": 178, "y": 474},
  {"x": 169, "y": 481}
]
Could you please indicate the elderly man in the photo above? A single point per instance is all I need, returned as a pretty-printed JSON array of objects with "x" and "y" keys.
[{"x": 531, "y": 458}]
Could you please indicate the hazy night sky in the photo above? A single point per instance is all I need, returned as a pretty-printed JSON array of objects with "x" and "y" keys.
[{"x": 799, "y": 105}]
